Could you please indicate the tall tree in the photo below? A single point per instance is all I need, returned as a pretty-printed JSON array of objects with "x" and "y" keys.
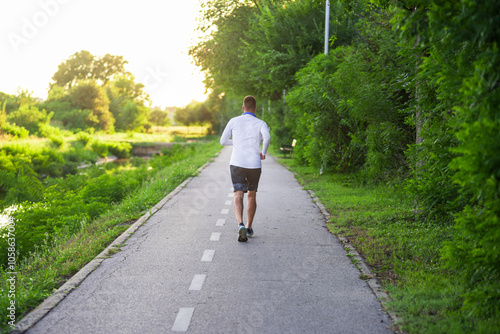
[
  {"x": 283, "y": 37},
  {"x": 217, "y": 55},
  {"x": 194, "y": 113},
  {"x": 159, "y": 117},
  {"x": 128, "y": 103},
  {"x": 84, "y": 66},
  {"x": 88, "y": 95}
]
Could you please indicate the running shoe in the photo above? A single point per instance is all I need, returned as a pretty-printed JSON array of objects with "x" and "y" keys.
[
  {"x": 249, "y": 232},
  {"x": 242, "y": 233}
]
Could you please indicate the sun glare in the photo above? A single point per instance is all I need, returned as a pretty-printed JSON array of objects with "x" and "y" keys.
[{"x": 153, "y": 36}]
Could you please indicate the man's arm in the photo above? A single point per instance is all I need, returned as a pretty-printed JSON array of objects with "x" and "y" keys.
[
  {"x": 266, "y": 140},
  {"x": 224, "y": 139}
]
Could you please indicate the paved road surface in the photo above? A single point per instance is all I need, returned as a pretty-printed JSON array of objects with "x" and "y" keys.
[{"x": 184, "y": 271}]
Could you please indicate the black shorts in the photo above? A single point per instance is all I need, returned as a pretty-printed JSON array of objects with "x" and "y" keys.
[{"x": 245, "y": 179}]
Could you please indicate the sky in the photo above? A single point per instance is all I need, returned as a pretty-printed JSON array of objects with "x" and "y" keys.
[{"x": 154, "y": 36}]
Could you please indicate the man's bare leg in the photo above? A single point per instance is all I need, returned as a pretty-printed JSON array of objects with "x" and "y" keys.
[
  {"x": 238, "y": 206},
  {"x": 251, "y": 207}
]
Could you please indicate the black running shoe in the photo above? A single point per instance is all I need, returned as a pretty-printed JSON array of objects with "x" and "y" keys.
[
  {"x": 249, "y": 232},
  {"x": 242, "y": 233}
]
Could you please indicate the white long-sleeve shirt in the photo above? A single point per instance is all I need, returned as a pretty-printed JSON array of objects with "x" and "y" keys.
[{"x": 247, "y": 132}]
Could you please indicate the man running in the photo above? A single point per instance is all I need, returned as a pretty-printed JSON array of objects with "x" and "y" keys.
[{"x": 247, "y": 132}]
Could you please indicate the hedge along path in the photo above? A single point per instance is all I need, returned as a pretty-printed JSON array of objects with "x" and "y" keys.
[{"x": 48, "y": 304}]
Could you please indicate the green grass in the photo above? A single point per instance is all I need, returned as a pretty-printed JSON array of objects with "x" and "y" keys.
[
  {"x": 46, "y": 269},
  {"x": 402, "y": 250},
  {"x": 159, "y": 134},
  {"x": 33, "y": 142},
  {"x": 135, "y": 137}
]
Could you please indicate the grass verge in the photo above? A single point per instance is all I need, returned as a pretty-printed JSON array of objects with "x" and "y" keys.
[
  {"x": 46, "y": 269},
  {"x": 402, "y": 250}
]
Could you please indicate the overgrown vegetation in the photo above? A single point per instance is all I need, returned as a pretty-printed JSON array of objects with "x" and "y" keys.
[
  {"x": 76, "y": 217},
  {"x": 408, "y": 94},
  {"x": 24, "y": 165}
]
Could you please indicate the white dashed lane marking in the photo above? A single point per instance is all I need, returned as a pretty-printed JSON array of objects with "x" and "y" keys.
[
  {"x": 197, "y": 282},
  {"x": 208, "y": 255},
  {"x": 183, "y": 319}
]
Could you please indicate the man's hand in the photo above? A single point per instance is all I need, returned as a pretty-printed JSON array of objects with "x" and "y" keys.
[{"x": 262, "y": 157}]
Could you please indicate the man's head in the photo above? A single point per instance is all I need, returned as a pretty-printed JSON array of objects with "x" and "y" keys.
[{"x": 249, "y": 104}]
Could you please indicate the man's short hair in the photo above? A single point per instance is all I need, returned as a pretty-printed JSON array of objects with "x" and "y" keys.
[{"x": 250, "y": 103}]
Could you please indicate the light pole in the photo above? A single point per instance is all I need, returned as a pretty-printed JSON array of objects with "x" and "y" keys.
[{"x": 327, "y": 25}]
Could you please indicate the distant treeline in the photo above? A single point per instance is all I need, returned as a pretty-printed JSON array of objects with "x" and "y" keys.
[{"x": 93, "y": 94}]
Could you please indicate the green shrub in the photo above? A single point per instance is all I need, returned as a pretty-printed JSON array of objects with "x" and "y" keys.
[
  {"x": 14, "y": 130},
  {"x": 83, "y": 137},
  {"x": 179, "y": 139},
  {"x": 77, "y": 153},
  {"x": 48, "y": 131},
  {"x": 120, "y": 149},
  {"x": 20, "y": 185},
  {"x": 462, "y": 60},
  {"x": 100, "y": 148},
  {"x": 56, "y": 140},
  {"x": 171, "y": 154},
  {"x": 48, "y": 161},
  {"x": 77, "y": 119},
  {"x": 29, "y": 117},
  {"x": 6, "y": 162},
  {"x": 385, "y": 156},
  {"x": 430, "y": 185},
  {"x": 109, "y": 188}
]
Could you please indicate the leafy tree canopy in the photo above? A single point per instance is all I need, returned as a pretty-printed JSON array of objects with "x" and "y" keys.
[
  {"x": 159, "y": 117},
  {"x": 87, "y": 95},
  {"x": 194, "y": 113},
  {"x": 84, "y": 66}
]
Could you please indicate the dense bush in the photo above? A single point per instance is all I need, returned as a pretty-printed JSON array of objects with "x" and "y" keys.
[
  {"x": 341, "y": 118},
  {"x": 14, "y": 130},
  {"x": 23, "y": 166},
  {"x": 119, "y": 149},
  {"x": 18, "y": 181},
  {"x": 83, "y": 137},
  {"x": 29, "y": 117},
  {"x": 462, "y": 61}
]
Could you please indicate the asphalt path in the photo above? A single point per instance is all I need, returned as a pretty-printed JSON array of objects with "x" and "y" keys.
[{"x": 184, "y": 270}]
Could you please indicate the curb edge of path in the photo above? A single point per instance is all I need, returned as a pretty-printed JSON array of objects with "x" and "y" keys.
[
  {"x": 30, "y": 319},
  {"x": 371, "y": 280}
]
